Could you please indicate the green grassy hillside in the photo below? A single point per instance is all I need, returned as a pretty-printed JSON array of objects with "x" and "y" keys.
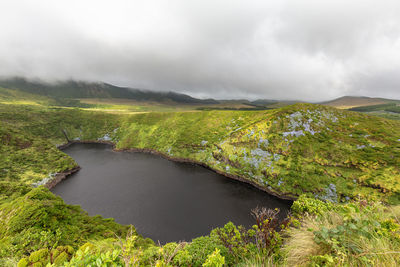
[
  {"x": 349, "y": 102},
  {"x": 17, "y": 97},
  {"x": 304, "y": 149},
  {"x": 29, "y": 135},
  {"x": 80, "y": 89},
  {"x": 299, "y": 149},
  {"x": 390, "y": 110},
  {"x": 390, "y": 107}
]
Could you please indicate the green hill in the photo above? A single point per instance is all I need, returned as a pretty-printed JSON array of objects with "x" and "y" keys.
[
  {"x": 75, "y": 89},
  {"x": 298, "y": 149},
  {"x": 348, "y": 102}
]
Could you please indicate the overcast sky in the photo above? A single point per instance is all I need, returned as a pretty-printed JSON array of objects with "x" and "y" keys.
[{"x": 299, "y": 49}]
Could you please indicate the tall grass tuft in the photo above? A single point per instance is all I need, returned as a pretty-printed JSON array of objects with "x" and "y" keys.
[{"x": 352, "y": 235}]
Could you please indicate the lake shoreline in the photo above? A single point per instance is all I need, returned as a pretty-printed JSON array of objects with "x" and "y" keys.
[{"x": 63, "y": 175}]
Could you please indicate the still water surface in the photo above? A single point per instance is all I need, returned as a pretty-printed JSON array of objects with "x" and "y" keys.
[{"x": 164, "y": 200}]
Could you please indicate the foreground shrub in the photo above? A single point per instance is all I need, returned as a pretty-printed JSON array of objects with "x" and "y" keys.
[
  {"x": 40, "y": 219},
  {"x": 262, "y": 240},
  {"x": 307, "y": 205},
  {"x": 201, "y": 247},
  {"x": 236, "y": 239},
  {"x": 42, "y": 257},
  {"x": 268, "y": 239},
  {"x": 355, "y": 234}
]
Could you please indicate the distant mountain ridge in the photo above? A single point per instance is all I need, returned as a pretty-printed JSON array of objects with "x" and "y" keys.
[
  {"x": 80, "y": 89},
  {"x": 347, "y": 102}
]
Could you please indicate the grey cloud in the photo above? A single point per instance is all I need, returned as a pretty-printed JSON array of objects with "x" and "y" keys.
[{"x": 303, "y": 49}]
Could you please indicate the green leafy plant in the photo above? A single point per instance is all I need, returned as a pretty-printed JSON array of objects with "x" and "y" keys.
[
  {"x": 214, "y": 260},
  {"x": 268, "y": 224},
  {"x": 305, "y": 204},
  {"x": 44, "y": 257},
  {"x": 236, "y": 239}
]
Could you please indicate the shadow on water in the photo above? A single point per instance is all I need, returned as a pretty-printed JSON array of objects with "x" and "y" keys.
[{"x": 164, "y": 200}]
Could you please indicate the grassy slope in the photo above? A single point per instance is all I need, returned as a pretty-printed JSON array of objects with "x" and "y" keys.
[
  {"x": 16, "y": 97},
  {"x": 389, "y": 111},
  {"x": 353, "y": 234},
  {"x": 301, "y": 148},
  {"x": 29, "y": 135},
  {"x": 131, "y": 106},
  {"x": 298, "y": 149},
  {"x": 347, "y": 102},
  {"x": 35, "y": 218},
  {"x": 80, "y": 89},
  {"x": 386, "y": 115}
]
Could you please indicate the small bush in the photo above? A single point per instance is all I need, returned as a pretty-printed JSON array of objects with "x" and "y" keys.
[{"x": 305, "y": 204}]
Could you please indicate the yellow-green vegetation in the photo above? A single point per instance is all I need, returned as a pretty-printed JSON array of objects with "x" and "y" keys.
[
  {"x": 17, "y": 97},
  {"x": 8, "y": 96},
  {"x": 304, "y": 148},
  {"x": 354, "y": 234},
  {"x": 228, "y": 245},
  {"x": 26, "y": 158},
  {"x": 388, "y": 111},
  {"x": 319, "y": 234},
  {"x": 326, "y": 156},
  {"x": 35, "y": 219},
  {"x": 129, "y": 106},
  {"x": 29, "y": 135},
  {"x": 348, "y": 102}
]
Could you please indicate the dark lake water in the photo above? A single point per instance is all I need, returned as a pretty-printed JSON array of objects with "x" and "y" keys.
[{"x": 164, "y": 200}]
